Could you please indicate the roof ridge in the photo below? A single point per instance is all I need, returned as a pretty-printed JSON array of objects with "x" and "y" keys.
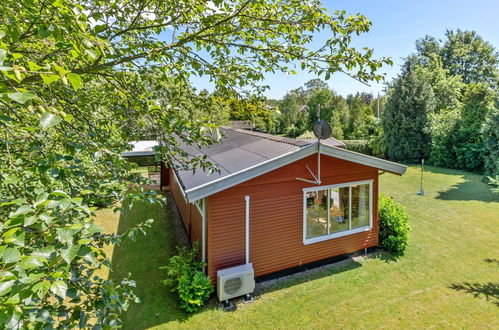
[{"x": 271, "y": 137}]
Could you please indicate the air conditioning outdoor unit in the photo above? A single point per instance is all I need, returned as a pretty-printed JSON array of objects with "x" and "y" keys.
[{"x": 236, "y": 281}]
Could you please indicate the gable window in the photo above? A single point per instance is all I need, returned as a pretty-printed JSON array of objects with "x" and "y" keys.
[{"x": 336, "y": 210}]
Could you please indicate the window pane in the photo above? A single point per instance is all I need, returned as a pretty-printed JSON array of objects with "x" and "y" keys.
[
  {"x": 360, "y": 205},
  {"x": 316, "y": 213},
  {"x": 338, "y": 209}
]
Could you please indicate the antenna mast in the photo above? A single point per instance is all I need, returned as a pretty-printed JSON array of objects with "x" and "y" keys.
[{"x": 322, "y": 130}]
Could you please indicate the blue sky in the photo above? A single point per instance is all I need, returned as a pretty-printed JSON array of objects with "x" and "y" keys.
[{"x": 396, "y": 26}]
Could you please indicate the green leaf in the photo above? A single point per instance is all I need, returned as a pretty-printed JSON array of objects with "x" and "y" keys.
[
  {"x": 5, "y": 287},
  {"x": 70, "y": 253},
  {"x": 22, "y": 97},
  {"x": 14, "y": 320},
  {"x": 74, "y": 80},
  {"x": 11, "y": 255},
  {"x": 2, "y": 56},
  {"x": 92, "y": 53},
  {"x": 49, "y": 120},
  {"x": 17, "y": 239},
  {"x": 49, "y": 78},
  {"x": 64, "y": 203},
  {"x": 31, "y": 262},
  {"x": 41, "y": 288},
  {"x": 65, "y": 235},
  {"x": 59, "y": 288},
  {"x": 45, "y": 252},
  {"x": 33, "y": 66},
  {"x": 21, "y": 210}
]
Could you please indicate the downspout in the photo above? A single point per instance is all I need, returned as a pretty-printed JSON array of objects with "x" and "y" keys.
[
  {"x": 247, "y": 198},
  {"x": 203, "y": 234}
]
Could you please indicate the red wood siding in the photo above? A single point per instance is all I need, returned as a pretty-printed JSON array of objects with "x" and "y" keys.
[
  {"x": 276, "y": 218},
  {"x": 188, "y": 212}
]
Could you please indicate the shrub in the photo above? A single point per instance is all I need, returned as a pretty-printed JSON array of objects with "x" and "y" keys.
[
  {"x": 361, "y": 146},
  {"x": 494, "y": 182},
  {"x": 393, "y": 225},
  {"x": 377, "y": 144},
  {"x": 185, "y": 276},
  {"x": 490, "y": 134},
  {"x": 307, "y": 135}
]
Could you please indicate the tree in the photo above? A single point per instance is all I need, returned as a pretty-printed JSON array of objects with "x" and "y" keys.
[
  {"x": 251, "y": 109},
  {"x": 468, "y": 145},
  {"x": 315, "y": 84},
  {"x": 360, "y": 116},
  {"x": 405, "y": 119},
  {"x": 448, "y": 88},
  {"x": 490, "y": 136},
  {"x": 466, "y": 54},
  {"x": 73, "y": 73},
  {"x": 427, "y": 48},
  {"x": 293, "y": 119},
  {"x": 333, "y": 110}
]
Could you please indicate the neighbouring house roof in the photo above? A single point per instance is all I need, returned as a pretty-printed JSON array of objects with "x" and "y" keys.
[
  {"x": 141, "y": 148},
  {"x": 242, "y": 155}
]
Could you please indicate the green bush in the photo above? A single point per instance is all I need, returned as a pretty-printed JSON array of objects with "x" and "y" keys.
[
  {"x": 185, "y": 276},
  {"x": 361, "y": 146},
  {"x": 377, "y": 144},
  {"x": 490, "y": 134},
  {"x": 494, "y": 182},
  {"x": 393, "y": 225}
]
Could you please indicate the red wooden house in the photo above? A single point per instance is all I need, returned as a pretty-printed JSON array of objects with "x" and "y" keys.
[{"x": 264, "y": 207}]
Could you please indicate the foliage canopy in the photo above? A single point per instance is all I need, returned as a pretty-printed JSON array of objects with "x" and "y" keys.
[{"x": 79, "y": 80}]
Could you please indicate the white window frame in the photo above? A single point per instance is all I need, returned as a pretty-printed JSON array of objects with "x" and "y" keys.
[{"x": 350, "y": 231}]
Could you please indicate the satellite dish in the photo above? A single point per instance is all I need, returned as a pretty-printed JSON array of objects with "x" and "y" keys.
[{"x": 322, "y": 129}]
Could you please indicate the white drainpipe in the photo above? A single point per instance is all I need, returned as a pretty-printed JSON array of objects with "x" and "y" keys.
[
  {"x": 203, "y": 233},
  {"x": 247, "y": 198}
]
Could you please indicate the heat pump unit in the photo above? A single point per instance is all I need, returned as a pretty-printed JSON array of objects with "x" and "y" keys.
[{"x": 236, "y": 281}]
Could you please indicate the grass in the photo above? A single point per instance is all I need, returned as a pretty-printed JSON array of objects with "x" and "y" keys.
[{"x": 448, "y": 277}]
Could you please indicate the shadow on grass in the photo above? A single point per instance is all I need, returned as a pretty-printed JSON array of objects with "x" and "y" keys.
[
  {"x": 385, "y": 256},
  {"x": 140, "y": 261},
  {"x": 492, "y": 261},
  {"x": 489, "y": 290},
  {"x": 471, "y": 188},
  {"x": 306, "y": 276}
]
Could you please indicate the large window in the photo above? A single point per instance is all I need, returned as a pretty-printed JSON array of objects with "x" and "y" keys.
[{"x": 336, "y": 210}]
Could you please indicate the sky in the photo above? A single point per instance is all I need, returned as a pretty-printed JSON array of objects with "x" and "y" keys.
[{"x": 396, "y": 25}]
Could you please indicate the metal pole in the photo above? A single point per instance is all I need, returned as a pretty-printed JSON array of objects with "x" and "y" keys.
[
  {"x": 378, "y": 105},
  {"x": 319, "y": 148},
  {"x": 247, "y": 198},
  {"x": 203, "y": 234},
  {"x": 422, "y": 171}
]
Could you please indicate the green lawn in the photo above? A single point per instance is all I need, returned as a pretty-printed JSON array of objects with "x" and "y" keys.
[{"x": 449, "y": 276}]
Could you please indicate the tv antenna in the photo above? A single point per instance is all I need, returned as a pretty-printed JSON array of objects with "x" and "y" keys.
[{"x": 322, "y": 130}]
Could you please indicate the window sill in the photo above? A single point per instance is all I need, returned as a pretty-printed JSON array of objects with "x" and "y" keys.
[{"x": 336, "y": 235}]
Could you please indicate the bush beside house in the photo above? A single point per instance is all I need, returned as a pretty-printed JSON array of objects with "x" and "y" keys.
[
  {"x": 393, "y": 225},
  {"x": 185, "y": 276}
]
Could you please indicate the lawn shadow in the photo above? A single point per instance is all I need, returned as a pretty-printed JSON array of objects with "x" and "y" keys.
[
  {"x": 489, "y": 290},
  {"x": 492, "y": 261},
  {"x": 140, "y": 260},
  {"x": 385, "y": 256},
  {"x": 307, "y": 275},
  {"x": 471, "y": 188}
]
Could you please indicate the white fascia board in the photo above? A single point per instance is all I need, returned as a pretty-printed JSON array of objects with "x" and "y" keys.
[
  {"x": 233, "y": 179},
  {"x": 359, "y": 158}
]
